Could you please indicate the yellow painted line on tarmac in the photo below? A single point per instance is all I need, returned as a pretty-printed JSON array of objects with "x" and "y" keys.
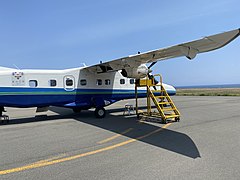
[
  {"x": 50, "y": 159},
  {"x": 114, "y": 137},
  {"x": 48, "y": 162}
]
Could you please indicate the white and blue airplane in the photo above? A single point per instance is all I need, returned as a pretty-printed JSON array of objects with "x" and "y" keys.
[{"x": 95, "y": 86}]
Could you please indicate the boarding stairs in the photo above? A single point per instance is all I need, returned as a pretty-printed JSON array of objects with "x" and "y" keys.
[{"x": 156, "y": 93}]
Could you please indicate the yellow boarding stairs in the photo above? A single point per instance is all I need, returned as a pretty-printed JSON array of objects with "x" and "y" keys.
[{"x": 163, "y": 103}]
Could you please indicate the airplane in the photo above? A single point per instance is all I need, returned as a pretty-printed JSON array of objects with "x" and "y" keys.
[{"x": 98, "y": 85}]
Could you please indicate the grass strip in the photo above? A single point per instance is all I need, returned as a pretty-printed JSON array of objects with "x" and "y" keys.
[{"x": 209, "y": 92}]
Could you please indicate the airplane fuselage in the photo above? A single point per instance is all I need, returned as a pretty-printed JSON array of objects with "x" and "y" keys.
[{"x": 72, "y": 88}]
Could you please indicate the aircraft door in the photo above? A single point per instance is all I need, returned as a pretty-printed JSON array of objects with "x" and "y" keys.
[{"x": 69, "y": 83}]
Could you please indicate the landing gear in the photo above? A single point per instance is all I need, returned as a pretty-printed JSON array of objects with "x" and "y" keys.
[
  {"x": 2, "y": 110},
  {"x": 77, "y": 110},
  {"x": 100, "y": 112},
  {"x": 177, "y": 119},
  {"x": 3, "y": 118}
]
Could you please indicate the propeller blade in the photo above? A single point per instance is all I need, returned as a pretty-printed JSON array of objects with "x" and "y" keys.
[
  {"x": 151, "y": 65},
  {"x": 150, "y": 76}
]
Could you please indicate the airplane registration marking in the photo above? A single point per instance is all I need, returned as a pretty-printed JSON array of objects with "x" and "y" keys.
[
  {"x": 114, "y": 137},
  {"x": 48, "y": 162}
]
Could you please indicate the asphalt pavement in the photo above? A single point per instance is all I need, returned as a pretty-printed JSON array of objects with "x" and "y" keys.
[{"x": 63, "y": 145}]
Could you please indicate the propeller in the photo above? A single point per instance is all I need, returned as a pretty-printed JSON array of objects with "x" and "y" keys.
[
  {"x": 150, "y": 76},
  {"x": 152, "y": 64}
]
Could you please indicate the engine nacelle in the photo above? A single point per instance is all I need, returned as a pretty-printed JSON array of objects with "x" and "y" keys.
[{"x": 138, "y": 72}]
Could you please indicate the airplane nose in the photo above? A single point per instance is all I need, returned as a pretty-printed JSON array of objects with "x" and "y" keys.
[
  {"x": 174, "y": 91},
  {"x": 170, "y": 89}
]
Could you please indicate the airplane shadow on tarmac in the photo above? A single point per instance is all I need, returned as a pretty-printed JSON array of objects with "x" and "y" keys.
[{"x": 167, "y": 139}]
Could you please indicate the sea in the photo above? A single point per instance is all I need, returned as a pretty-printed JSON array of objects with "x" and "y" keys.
[{"x": 209, "y": 86}]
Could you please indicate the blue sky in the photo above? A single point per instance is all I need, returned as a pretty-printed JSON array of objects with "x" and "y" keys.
[{"x": 57, "y": 34}]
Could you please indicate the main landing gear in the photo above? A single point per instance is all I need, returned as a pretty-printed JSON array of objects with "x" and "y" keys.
[
  {"x": 3, "y": 118},
  {"x": 100, "y": 112},
  {"x": 77, "y": 110}
]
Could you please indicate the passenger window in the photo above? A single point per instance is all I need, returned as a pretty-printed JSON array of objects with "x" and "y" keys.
[
  {"x": 122, "y": 81},
  {"x": 83, "y": 82},
  {"x": 107, "y": 82},
  {"x": 99, "y": 82},
  {"x": 69, "y": 82},
  {"x": 132, "y": 81},
  {"x": 33, "y": 83},
  {"x": 52, "y": 82}
]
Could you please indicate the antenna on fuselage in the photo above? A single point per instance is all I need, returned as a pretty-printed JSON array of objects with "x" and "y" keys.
[{"x": 84, "y": 65}]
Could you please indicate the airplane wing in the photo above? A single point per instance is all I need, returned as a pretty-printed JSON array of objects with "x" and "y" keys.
[{"x": 189, "y": 49}]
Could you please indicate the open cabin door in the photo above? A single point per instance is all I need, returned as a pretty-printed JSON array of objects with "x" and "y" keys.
[{"x": 69, "y": 83}]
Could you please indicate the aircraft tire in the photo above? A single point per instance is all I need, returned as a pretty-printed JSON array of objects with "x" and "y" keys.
[
  {"x": 177, "y": 119},
  {"x": 100, "y": 112},
  {"x": 77, "y": 110}
]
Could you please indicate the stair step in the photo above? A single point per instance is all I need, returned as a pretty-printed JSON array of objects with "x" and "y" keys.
[
  {"x": 168, "y": 109},
  {"x": 160, "y": 96},
  {"x": 153, "y": 91},
  {"x": 160, "y": 103}
]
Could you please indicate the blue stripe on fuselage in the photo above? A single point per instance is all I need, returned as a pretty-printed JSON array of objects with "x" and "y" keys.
[{"x": 35, "y": 97}]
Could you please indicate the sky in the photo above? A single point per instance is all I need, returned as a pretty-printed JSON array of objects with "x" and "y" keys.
[{"x": 60, "y": 34}]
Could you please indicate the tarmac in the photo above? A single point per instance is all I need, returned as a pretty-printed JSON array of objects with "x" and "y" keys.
[{"x": 63, "y": 145}]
